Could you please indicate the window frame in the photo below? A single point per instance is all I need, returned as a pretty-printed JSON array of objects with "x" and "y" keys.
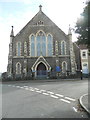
[
  {"x": 63, "y": 47},
  {"x": 18, "y": 63},
  {"x": 18, "y": 51}
]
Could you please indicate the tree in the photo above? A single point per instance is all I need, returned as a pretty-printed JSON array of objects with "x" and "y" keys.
[{"x": 83, "y": 26}]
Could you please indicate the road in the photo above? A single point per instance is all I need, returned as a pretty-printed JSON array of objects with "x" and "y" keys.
[{"x": 43, "y": 99}]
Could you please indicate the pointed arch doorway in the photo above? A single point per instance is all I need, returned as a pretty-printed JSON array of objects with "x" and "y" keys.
[{"x": 41, "y": 70}]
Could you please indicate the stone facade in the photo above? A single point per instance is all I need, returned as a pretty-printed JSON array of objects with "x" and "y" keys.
[{"x": 22, "y": 58}]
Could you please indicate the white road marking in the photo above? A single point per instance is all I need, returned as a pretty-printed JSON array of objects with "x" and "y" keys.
[
  {"x": 65, "y": 100},
  {"x": 45, "y": 93},
  {"x": 59, "y": 95},
  {"x": 38, "y": 91},
  {"x": 31, "y": 89},
  {"x": 21, "y": 87},
  {"x": 70, "y": 98},
  {"x": 75, "y": 109},
  {"x": 50, "y": 92},
  {"x": 43, "y": 90},
  {"x": 36, "y": 88},
  {"x": 18, "y": 86},
  {"x": 25, "y": 86},
  {"x": 53, "y": 96}
]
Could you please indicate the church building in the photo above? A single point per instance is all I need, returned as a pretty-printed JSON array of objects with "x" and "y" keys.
[{"x": 41, "y": 47}]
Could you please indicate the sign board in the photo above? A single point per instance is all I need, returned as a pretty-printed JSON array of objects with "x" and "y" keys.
[{"x": 58, "y": 69}]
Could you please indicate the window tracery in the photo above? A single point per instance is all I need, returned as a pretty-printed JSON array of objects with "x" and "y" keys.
[{"x": 41, "y": 44}]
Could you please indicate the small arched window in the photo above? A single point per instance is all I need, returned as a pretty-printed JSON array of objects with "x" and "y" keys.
[
  {"x": 18, "y": 68},
  {"x": 18, "y": 48},
  {"x": 25, "y": 48},
  {"x": 64, "y": 67},
  {"x": 32, "y": 38},
  {"x": 63, "y": 47},
  {"x": 50, "y": 45},
  {"x": 32, "y": 45}
]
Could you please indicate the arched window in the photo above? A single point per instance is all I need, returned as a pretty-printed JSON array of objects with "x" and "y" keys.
[
  {"x": 18, "y": 48},
  {"x": 18, "y": 68},
  {"x": 41, "y": 44},
  {"x": 63, "y": 47},
  {"x": 64, "y": 67},
  {"x": 32, "y": 46},
  {"x": 25, "y": 48},
  {"x": 50, "y": 45}
]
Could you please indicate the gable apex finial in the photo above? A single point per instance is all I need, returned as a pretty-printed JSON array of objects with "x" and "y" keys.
[
  {"x": 12, "y": 32},
  {"x": 40, "y": 7}
]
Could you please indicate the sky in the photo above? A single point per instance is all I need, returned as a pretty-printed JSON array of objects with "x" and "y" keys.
[{"x": 19, "y": 12}]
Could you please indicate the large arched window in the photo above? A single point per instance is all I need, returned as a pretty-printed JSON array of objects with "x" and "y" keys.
[
  {"x": 41, "y": 44},
  {"x": 18, "y": 68},
  {"x": 50, "y": 45},
  {"x": 18, "y": 48},
  {"x": 64, "y": 67},
  {"x": 32, "y": 45},
  {"x": 63, "y": 47}
]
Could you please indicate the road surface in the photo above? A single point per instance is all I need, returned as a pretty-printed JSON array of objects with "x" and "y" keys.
[{"x": 43, "y": 99}]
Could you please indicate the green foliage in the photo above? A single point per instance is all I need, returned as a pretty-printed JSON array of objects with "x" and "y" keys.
[{"x": 83, "y": 27}]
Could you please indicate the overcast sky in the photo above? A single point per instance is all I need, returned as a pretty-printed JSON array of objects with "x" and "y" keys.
[{"x": 19, "y": 12}]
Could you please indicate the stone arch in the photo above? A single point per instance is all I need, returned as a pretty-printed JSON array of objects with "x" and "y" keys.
[
  {"x": 40, "y": 31},
  {"x": 41, "y": 69},
  {"x": 39, "y": 63}
]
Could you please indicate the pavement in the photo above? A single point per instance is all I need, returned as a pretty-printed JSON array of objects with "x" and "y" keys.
[
  {"x": 44, "y": 80},
  {"x": 84, "y": 103}
]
